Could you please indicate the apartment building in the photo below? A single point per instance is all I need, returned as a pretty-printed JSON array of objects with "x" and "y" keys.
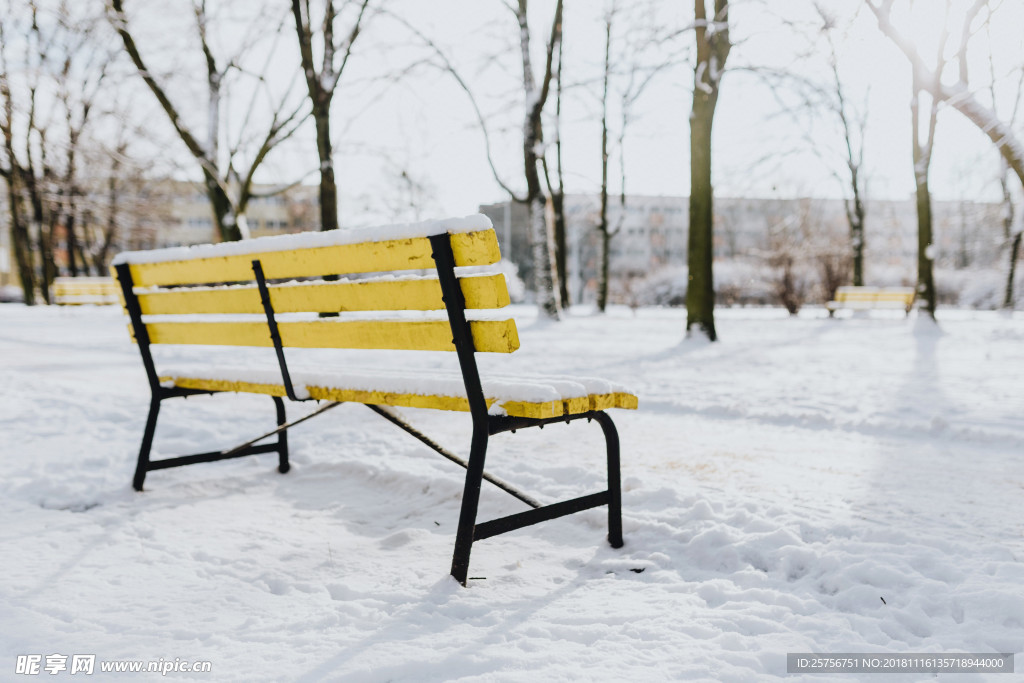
[{"x": 651, "y": 232}]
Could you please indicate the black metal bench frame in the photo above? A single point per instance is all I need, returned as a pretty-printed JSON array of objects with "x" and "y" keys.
[{"x": 485, "y": 425}]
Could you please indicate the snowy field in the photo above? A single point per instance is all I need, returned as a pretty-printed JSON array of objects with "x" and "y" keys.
[{"x": 806, "y": 484}]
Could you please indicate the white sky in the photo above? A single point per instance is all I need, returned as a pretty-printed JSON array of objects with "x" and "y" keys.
[
  {"x": 428, "y": 126},
  {"x": 425, "y": 127}
]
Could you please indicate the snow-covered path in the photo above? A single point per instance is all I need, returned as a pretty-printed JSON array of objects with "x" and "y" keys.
[{"x": 803, "y": 485}]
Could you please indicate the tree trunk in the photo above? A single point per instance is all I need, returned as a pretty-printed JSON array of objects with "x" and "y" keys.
[
  {"x": 602, "y": 226},
  {"x": 72, "y": 243},
  {"x": 558, "y": 196},
  {"x": 560, "y": 246},
  {"x": 925, "y": 248},
  {"x": 1008, "y": 301},
  {"x": 46, "y": 266},
  {"x": 1012, "y": 240},
  {"x": 712, "y": 51},
  {"x": 44, "y": 246},
  {"x": 223, "y": 211},
  {"x": 544, "y": 275},
  {"x": 700, "y": 290},
  {"x": 857, "y": 232},
  {"x": 602, "y": 279},
  {"x": 328, "y": 186},
  {"x": 922, "y": 162},
  {"x": 110, "y": 231},
  {"x": 21, "y": 242}
]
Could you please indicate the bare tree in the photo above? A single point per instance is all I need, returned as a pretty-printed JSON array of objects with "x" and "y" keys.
[
  {"x": 958, "y": 94},
  {"x": 602, "y": 225},
  {"x": 29, "y": 173},
  {"x": 628, "y": 71},
  {"x": 557, "y": 192},
  {"x": 922, "y": 162},
  {"x": 540, "y": 233},
  {"x": 79, "y": 81},
  {"x": 228, "y": 186},
  {"x": 12, "y": 174},
  {"x": 1011, "y": 236},
  {"x": 321, "y": 85},
  {"x": 60, "y": 77},
  {"x": 713, "y": 46},
  {"x": 852, "y": 127},
  {"x": 536, "y": 95}
]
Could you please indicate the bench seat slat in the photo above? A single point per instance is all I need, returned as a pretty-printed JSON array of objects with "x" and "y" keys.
[
  {"x": 478, "y": 248},
  {"x": 450, "y": 397},
  {"x": 488, "y": 335},
  {"x": 480, "y": 292}
]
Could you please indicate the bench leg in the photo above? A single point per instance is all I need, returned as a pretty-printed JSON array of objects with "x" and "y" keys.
[
  {"x": 282, "y": 438},
  {"x": 611, "y": 437},
  {"x": 470, "y": 503},
  {"x": 147, "y": 444}
]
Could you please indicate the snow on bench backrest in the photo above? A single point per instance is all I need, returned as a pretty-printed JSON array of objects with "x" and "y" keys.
[{"x": 311, "y": 254}]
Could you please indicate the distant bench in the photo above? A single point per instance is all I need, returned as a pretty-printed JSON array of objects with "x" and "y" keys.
[
  {"x": 181, "y": 293},
  {"x": 872, "y": 298},
  {"x": 75, "y": 291}
]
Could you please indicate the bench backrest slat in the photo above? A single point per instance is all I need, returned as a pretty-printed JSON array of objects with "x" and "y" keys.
[
  {"x": 478, "y": 248},
  {"x": 419, "y": 335},
  {"x": 480, "y": 292}
]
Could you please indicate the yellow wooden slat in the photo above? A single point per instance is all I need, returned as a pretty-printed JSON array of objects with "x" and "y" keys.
[
  {"x": 488, "y": 335},
  {"x": 873, "y": 295},
  {"x": 87, "y": 300},
  {"x": 489, "y": 291},
  {"x": 85, "y": 289},
  {"x": 470, "y": 249},
  {"x": 542, "y": 410},
  {"x": 389, "y": 398}
]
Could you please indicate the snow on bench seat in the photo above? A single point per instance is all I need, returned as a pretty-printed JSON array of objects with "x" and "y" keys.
[{"x": 516, "y": 396}]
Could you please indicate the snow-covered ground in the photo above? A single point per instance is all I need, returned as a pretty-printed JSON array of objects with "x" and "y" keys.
[{"x": 806, "y": 484}]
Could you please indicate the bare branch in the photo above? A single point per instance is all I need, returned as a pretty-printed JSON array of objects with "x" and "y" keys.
[
  {"x": 958, "y": 95},
  {"x": 349, "y": 42},
  {"x": 449, "y": 68},
  {"x": 120, "y": 23}
]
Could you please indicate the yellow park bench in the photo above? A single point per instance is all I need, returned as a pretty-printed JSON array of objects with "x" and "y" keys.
[
  {"x": 872, "y": 298},
  {"x": 75, "y": 291},
  {"x": 233, "y": 294}
]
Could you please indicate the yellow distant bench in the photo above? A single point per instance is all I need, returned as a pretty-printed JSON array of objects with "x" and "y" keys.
[
  {"x": 76, "y": 291},
  {"x": 399, "y": 291},
  {"x": 872, "y": 298}
]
